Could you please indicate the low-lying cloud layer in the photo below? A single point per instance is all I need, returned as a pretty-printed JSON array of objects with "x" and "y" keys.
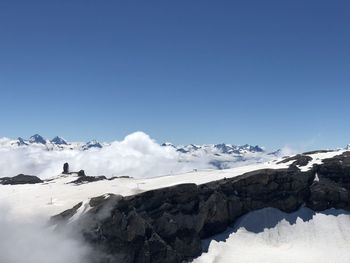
[
  {"x": 137, "y": 156},
  {"x": 33, "y": 241}
]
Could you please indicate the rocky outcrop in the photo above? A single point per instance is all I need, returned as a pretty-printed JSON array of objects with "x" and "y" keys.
[
  {"x": 332, "y": 188},
  {"x": 168, "y": 224},
  {"x": 20, "y": 179},
  {"x": 299, "y": 160},
  {"x": 65, "y": 168},
  {"x": 81, "y": 173},
  {"x": 88, "y": 179}
]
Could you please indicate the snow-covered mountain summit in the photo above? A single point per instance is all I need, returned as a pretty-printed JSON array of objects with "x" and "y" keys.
[
  {"x": 41, "y": 156},
  {"x": 37, "y": 138},
  {"x": 221, "y": 148},
  {"x": 59, "y": 141},
  {"x": 56, "y": 143}
]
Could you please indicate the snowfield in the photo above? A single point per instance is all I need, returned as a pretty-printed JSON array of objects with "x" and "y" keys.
[
  {"x": 58, "y": 194},
  {"x": 271, "y": 236},
  {"x": 266, "y": 235}
]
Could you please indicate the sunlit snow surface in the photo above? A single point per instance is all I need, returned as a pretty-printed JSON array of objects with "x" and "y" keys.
[
  {"x": 271, "y": 236},
  {"x": 55, "y": 196},
  {"x": 267, "y": 235}
]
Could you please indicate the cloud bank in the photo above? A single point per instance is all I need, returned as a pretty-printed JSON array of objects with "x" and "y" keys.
[
  {"x": 137, "y": 155},
  {"x": 32, "y": 241}
]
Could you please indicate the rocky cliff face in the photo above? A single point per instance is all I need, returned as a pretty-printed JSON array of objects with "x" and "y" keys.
[{"x": 168, "y": 224}]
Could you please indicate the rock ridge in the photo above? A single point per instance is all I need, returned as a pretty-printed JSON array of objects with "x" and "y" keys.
[{"x": 168, "y": 224}]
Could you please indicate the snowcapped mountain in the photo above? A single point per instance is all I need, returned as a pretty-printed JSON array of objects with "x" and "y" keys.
[
  {"x": 222, "y": 156},
  {"x": 221, "y": 148},
  {"x": 92, "y": 144},
  {"x": 59, "y": 141},
  {"x": 123, "y": 158},
  {"x": 36, "y": 138}
]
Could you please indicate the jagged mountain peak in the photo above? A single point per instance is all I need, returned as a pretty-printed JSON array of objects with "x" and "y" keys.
[
  {"x": 37, "y": 138},
  {"x": 92, "y": 144},
  {"x": 21, "y": 141},
  {"x": 59, "y": 141},
  {"x": 221, "y": 148}
]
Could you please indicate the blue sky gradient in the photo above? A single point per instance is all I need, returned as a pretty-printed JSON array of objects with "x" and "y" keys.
[{"x": 272, "y": 73}]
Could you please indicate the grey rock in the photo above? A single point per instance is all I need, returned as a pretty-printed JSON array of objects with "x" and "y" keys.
[
  {"x": 168, "y": 224},
  {"x": 20, "y": 179}
]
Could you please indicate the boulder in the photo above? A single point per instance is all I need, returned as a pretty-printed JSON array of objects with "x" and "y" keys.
[
  {"x": 65, "y": 168},
  {"x": 299, "y": 160},
  {"x": 20, "y": 179},
  {"x": 81, "y": 173},
  {"x": 88, "y": 179}
]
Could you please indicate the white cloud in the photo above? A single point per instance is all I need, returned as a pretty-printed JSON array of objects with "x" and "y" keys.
[
  {"x": 32, "y": 241},
  {"x": 137, "y": 156}
]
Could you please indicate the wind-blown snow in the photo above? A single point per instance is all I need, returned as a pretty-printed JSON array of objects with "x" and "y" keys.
[
  {"x": 303, "y": 236},
  {"x": 137, "y": 156}
]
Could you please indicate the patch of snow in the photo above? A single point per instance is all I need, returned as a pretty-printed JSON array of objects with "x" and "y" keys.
[
  {"x": 271, "y": 236},
  {"x": 317, "y": 158}
]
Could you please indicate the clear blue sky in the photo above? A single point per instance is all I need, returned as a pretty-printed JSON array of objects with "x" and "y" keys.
[{"x": 261, "y": 72}]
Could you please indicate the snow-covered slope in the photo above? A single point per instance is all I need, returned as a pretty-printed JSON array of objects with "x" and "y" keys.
[
  {"x": 285, "y": 239},
  {"x": 57, "y": 193},
  {"x": 271, "y": 236}
]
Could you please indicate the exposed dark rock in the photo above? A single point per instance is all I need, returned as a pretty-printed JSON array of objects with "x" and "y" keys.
[
  {"x": 81, "y": 173},
  {"x": 327, "y": 194},
  {"x": 333, "y": 186},
  {"x": 66, "y": 214},
  {"x": 65, "y": 168},
  {"x": 168, "y": 224},
  {"x": 119, "y": 177},
  {"x": 88, "y": 179},
  {"x": 299, "y": 160},
  {"x": 20, "y": 179},
  {"x": 318, "y": 151},
  {"x": 59, "y": 141},
  {"x": 36, "y": 138},
  {"x": 21, "y": 141},
  {"x": 336, "y": 169},
  {"x": 92, "y": 144}
]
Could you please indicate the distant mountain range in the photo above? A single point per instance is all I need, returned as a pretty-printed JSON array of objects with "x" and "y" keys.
[
  {"x": 57, "y": 143},
  {"x": 219, "y": 156},
  {"x": 221, "y": 148},
  {"x": 60, "y": 143}
]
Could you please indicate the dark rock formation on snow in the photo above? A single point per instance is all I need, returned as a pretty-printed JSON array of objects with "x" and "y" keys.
[
  {"x": 65, "y": 168},
  {"x": 88, "y": 179},
  {"x": 81, "y": 173},
  {"x": 299, "y": 160},
  {"x": 168, "y": 224},
  {"x": 332, "y": 187},
  {"x": 20, "y": 179}
]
